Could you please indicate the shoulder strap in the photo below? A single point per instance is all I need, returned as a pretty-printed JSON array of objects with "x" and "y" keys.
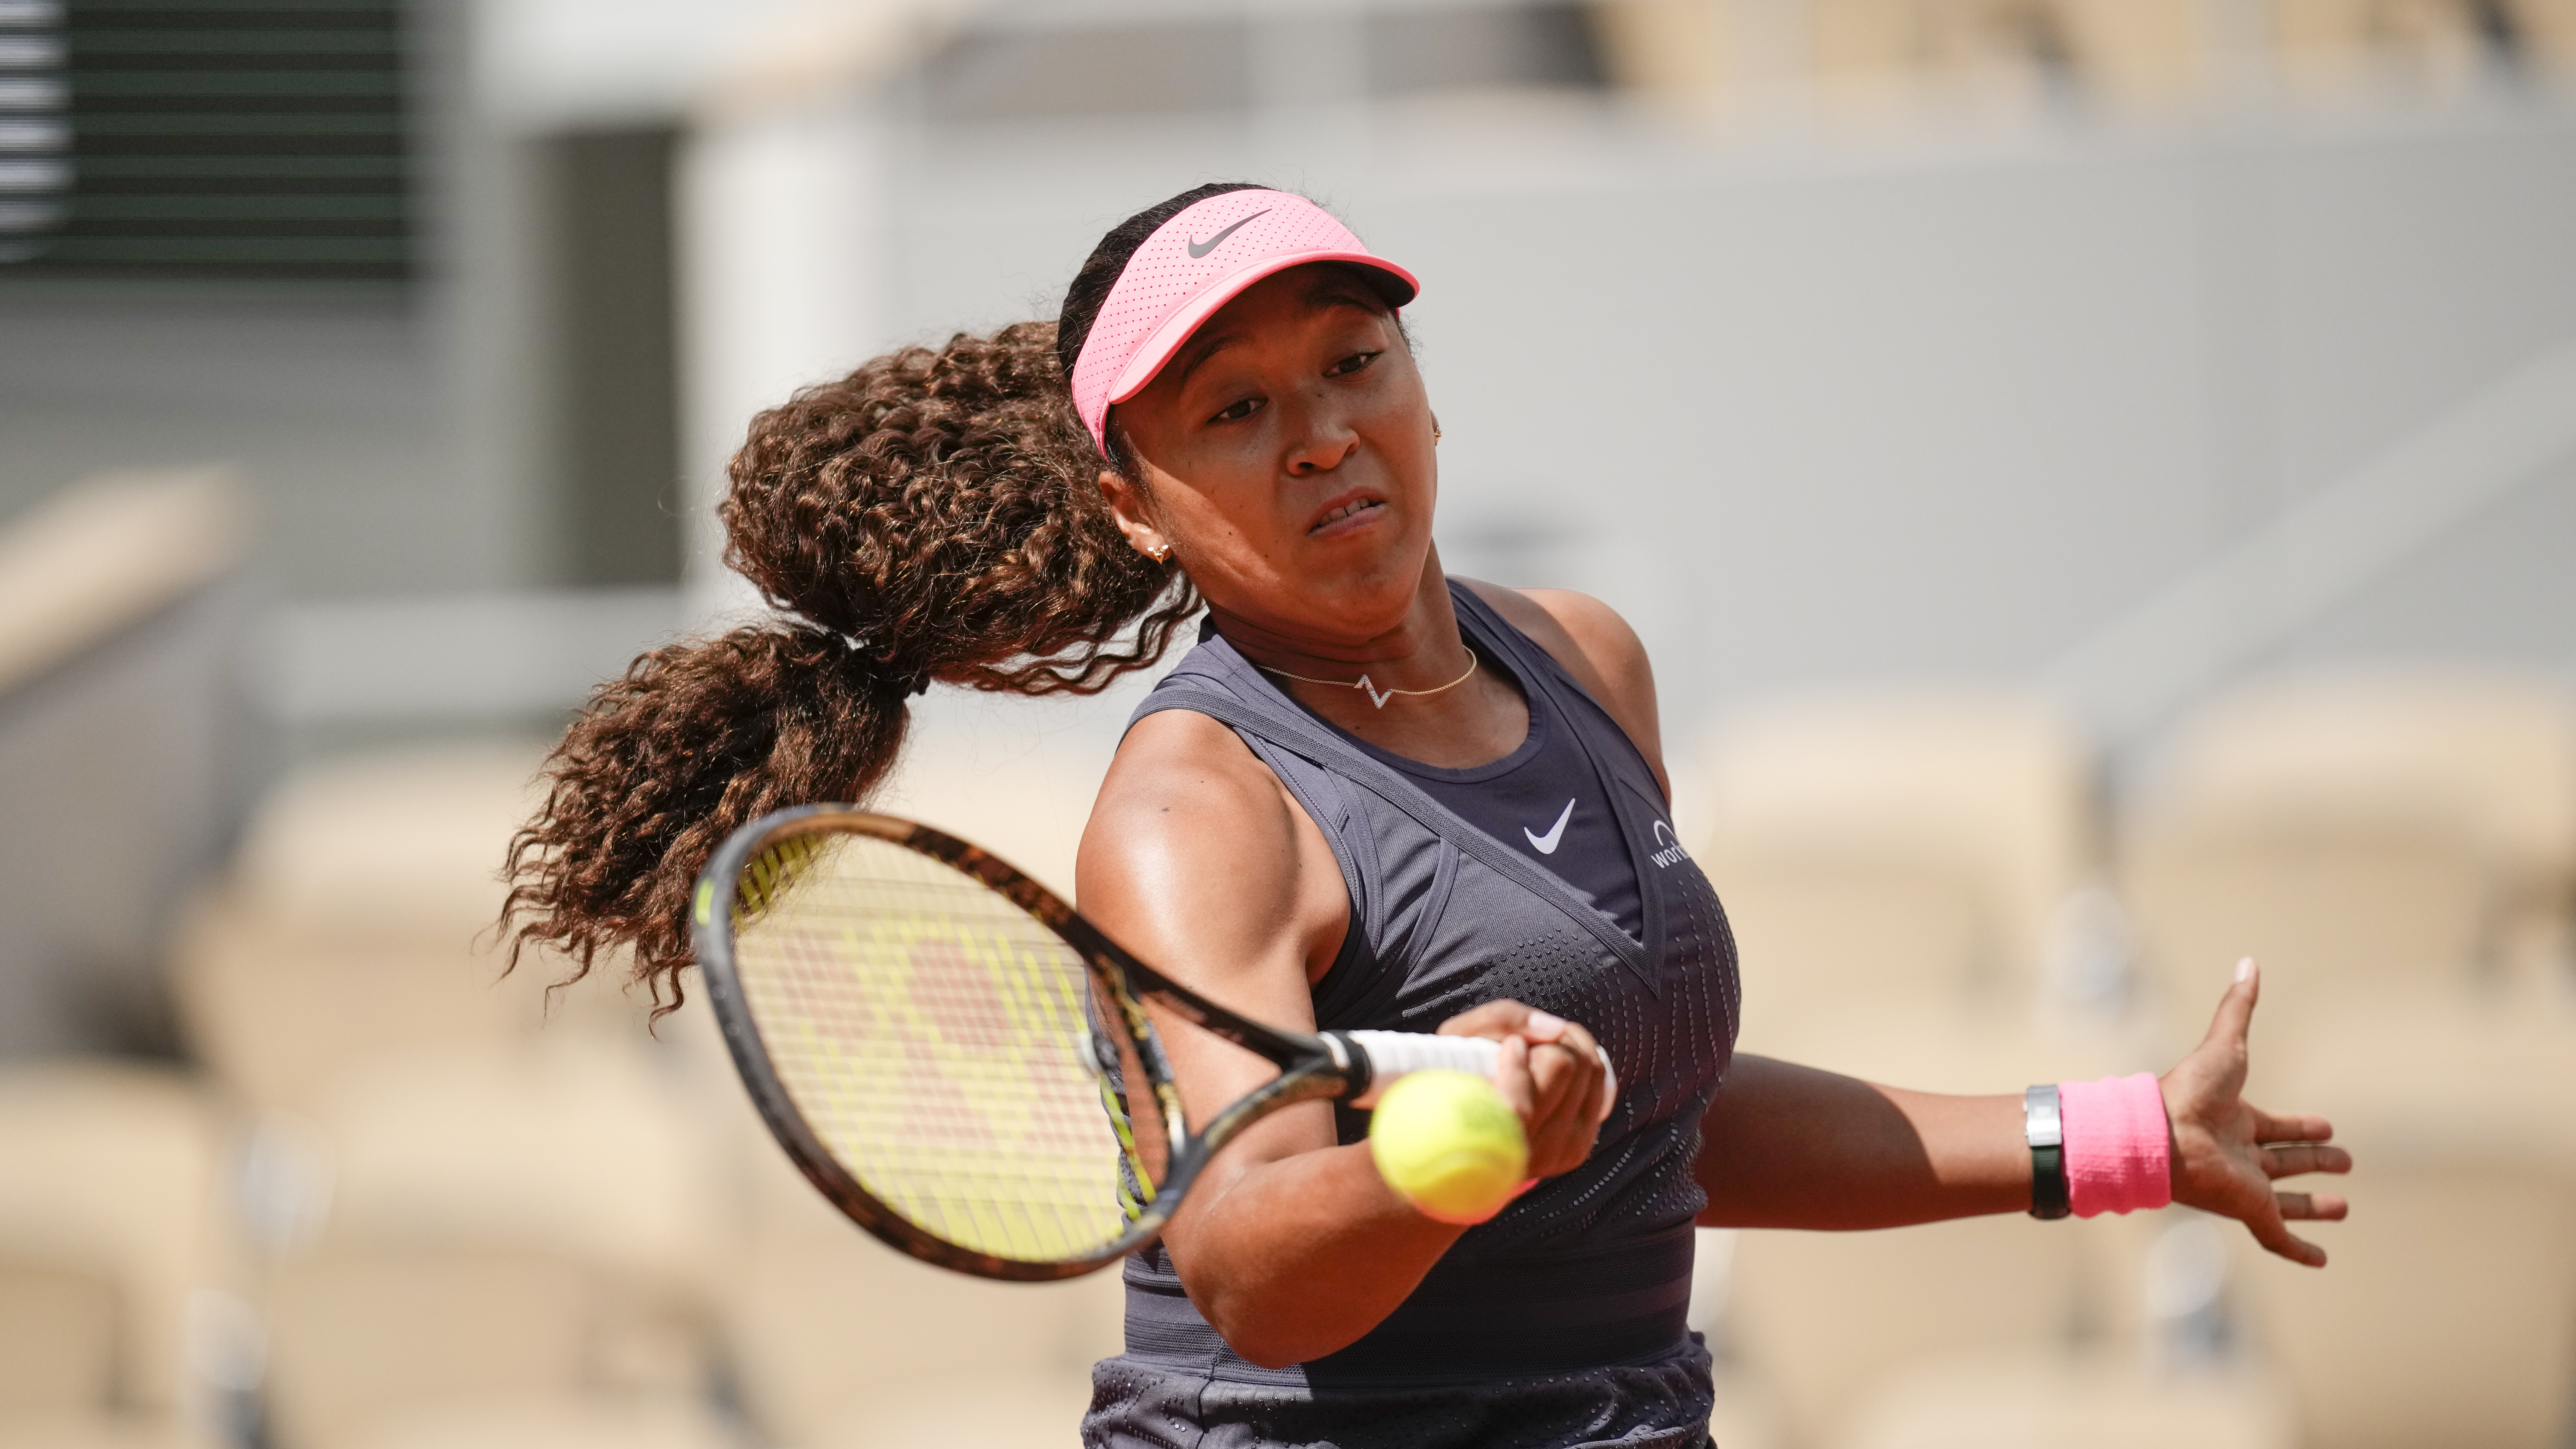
[
  {"x": 1275, "y": 726},
  {"x": 1530, "y": 657}
]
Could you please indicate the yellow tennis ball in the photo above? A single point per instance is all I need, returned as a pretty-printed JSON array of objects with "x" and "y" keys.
[{"x": 1449, "y": 1144}]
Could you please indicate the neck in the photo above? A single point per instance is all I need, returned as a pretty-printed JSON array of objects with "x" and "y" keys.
[
  {"x": 1423, "y": 650},
  {"x": 1481, "y": 719}
]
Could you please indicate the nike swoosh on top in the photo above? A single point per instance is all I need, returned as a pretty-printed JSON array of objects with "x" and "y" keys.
[
  {"x": 1546, "y": 844},
  {"x": 1199, "y": 249}
]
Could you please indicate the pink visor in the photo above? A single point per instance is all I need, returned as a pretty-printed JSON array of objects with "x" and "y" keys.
[{"x": 1194, "y": 264}]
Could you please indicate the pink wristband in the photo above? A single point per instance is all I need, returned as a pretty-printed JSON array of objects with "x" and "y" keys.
[{"x": 2118, "y": 1148}]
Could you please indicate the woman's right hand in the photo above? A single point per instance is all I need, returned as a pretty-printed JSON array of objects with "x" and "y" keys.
[{"x": 1552, "y": 1073}]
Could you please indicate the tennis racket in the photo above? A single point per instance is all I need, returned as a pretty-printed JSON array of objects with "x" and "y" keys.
[{"x": 962, "y": 1063}]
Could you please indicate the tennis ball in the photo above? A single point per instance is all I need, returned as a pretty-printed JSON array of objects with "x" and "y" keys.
[{"x": 1448, "y": 1143}]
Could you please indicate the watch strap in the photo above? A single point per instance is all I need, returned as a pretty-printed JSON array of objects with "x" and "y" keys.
[{"x": 2044, "y": 1128}]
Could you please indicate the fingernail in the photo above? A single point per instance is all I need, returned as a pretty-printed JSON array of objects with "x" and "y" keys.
[
  {"x": 1546, "y": 1021},
  {"x": 2244, "y": 968}
]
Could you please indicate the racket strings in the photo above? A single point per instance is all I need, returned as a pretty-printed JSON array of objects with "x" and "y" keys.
[{"x": 940, "y": 1041}]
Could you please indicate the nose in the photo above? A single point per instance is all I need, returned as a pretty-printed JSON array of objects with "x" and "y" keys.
[{"x": 1319, "y": 438}]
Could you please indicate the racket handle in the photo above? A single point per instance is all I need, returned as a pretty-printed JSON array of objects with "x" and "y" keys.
[{"x": 1391, "y": 1054}]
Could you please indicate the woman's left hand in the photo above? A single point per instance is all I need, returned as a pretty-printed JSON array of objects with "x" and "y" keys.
[
  {"x": 2227, "y": 1151},
  {"x": 1551, "y": 1073}
]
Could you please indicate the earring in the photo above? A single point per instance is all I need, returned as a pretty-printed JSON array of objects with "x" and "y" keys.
[
  {"x": 1435, "y": 435},
  {"x": 1162, "y": 553}
]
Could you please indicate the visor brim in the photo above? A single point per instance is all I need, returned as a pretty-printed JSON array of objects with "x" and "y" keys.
[{"x": 1158, "y": 347}]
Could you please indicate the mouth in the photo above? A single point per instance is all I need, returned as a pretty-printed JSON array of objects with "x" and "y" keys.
[{"x": 1342, "y": 512}]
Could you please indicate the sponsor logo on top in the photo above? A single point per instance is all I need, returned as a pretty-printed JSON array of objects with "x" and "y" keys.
[{"x": 1669, "y": 847}]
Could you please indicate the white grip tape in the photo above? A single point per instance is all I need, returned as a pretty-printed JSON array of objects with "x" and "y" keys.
[{"x": 1391, "y": 1054}]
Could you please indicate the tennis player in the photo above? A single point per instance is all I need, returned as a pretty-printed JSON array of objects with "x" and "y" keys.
[{"x": 1373, "y": 796}]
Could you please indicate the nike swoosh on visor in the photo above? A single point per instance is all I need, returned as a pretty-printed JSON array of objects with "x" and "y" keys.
[{"x": 1199, "y": 249}]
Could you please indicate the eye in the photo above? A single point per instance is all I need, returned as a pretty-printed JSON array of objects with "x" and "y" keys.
[
  {"x": 1239, "y": 411},
  {"x": 1351, "y": 364}
]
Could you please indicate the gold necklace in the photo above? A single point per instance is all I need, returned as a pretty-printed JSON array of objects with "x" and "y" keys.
[{"x": 1377, "y": 696}]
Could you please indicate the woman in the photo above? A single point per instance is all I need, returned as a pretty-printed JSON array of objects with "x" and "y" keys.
[{"x": 1373, "y": 796}]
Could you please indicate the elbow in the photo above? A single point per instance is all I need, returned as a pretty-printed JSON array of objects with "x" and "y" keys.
[
  {"x": 1273, "y": 1335},
  {"x": 1260, "y": 1344}
]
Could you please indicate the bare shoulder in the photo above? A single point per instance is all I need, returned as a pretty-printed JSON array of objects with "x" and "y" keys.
[
  {"x": 1196, "y": 852},
  {"x": 1598, "y": 648},
  {"x": 1179, "y": 781}
]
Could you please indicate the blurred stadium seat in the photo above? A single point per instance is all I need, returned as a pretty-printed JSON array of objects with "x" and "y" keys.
[
  {"x": 356, "y": 920},
  {"x": 57, "y": 1338},
  {"x": 2144, "y": 55},
  {"x": 85, "y": 1431},
  {"x": 361, "y": 1339},
  {"x": 2357, "y": 828},
  {"x": 391, "y": 844},
  {"x": 1874, "y": 57},
  {"x": 523, "y": 1231},
  {"x": 552, "y": 1424},
  {"x": 1683, "y": 54},
  {"x": 488, "y": 1218},
  {"x": 2046, "y": 1400},
  {"x": 492, "y": 1223},
  {"x": 110, "y": 1227},
  {"x": 2549, "y": 29},
  {"x": 2000, "y": 1332},
  {"x": 1746, "y": 1414},
  {"x": 573, "y": 1146},
  {"x": 277, "y": 1013},
  {"x": 1897, "y": 844},
  {"x": 1822, "y": 1316},
  {"x": 840, "y": 1342},
  {"x": 1865, "y": 53},
  {"x": 2334, "y": 47},
  {"x": 2448, "y": 1314},
  {"x": 122, "y": 628}
]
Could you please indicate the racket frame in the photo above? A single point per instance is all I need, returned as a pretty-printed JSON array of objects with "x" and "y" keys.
[{"x": 1312, "y": 1066}]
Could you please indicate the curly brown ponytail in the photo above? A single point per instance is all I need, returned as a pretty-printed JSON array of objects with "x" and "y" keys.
[{"x": 934, "y": 515}]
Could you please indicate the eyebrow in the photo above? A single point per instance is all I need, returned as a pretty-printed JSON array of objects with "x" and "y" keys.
[
  {"x": 1328, "y": 291},
  {"x": 1200, "y": 350}
]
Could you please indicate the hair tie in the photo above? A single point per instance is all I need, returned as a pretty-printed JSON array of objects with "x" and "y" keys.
[{"x": 911, "y": 686}]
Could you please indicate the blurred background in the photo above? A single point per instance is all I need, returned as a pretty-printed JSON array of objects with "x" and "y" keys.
[{"x": 2097, "y": 477}]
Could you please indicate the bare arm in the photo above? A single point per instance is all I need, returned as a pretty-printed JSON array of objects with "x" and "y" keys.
[
  {"x": 1786, "y": 1146},
  {"x": 1197, "y": 859},
  {"x": 1791, "y": 1147}
]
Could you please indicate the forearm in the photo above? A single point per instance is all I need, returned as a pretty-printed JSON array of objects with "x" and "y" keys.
[
  {"x": 1301, "y": 1255},
  {"x": 1786, "y": 1146}
]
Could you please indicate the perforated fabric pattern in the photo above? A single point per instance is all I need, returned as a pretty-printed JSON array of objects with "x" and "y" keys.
[{"x": 1188, "y": 268}]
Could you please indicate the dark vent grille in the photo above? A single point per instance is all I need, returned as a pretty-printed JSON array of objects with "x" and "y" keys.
[
  {"x": 256, "y": 139},
  {"x": 35, "y": 133}
]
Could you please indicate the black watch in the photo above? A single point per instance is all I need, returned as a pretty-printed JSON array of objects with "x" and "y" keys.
[{"x": 2045, "y": 1129}]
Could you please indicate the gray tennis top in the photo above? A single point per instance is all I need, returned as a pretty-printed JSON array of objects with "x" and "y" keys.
[
  {"x": 1543, "y": 799},
  {"x": 1559, "y": 1324}
]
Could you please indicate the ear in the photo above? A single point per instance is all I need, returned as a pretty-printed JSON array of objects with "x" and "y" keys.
[{"x": 1127, "y": 505}]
